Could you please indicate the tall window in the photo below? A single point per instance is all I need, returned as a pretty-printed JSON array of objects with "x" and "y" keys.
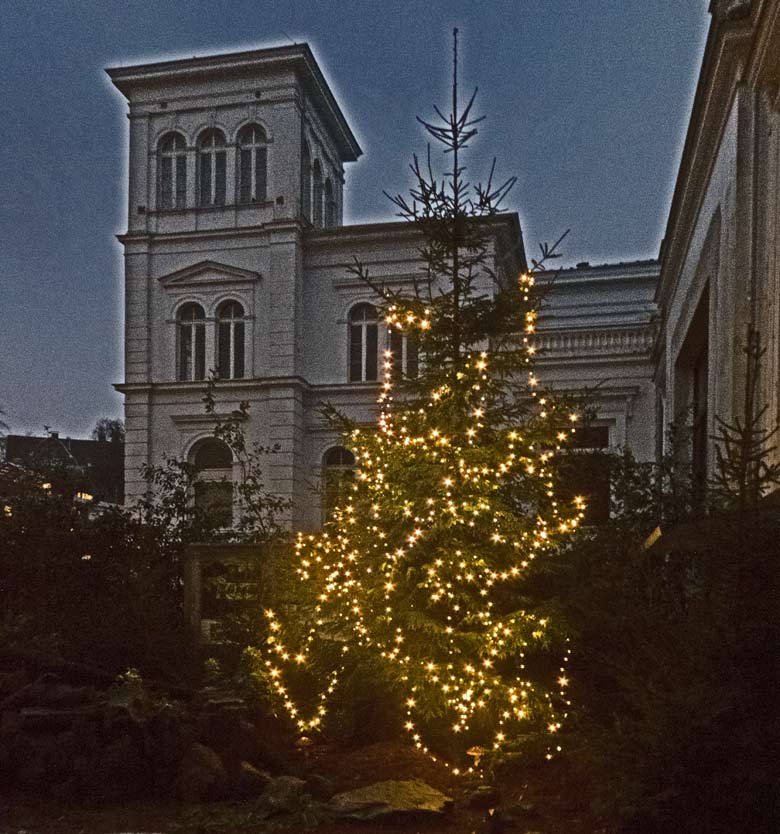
[
  {"x": 338, "y": 474},
  {"x": 172, "y": 160},
  {"x": 318, "y": 192},
  {"x": 330, "y": 204},
  {"x": 211, "y": 168},
  {"x": 403, "y": 348},
  {"x": 306, "y": 182},
  {"x": 230, "y": 340},
  {"x": 252, "y": 164},
  {"x": 192, "y": 343},
  {"x": 585, "y": 472},
  {"x": 362, "y": 344},
  {"x": 213, "y": 488}
]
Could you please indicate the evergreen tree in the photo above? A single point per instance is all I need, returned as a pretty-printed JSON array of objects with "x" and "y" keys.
[{"x": 422, "y": 567}]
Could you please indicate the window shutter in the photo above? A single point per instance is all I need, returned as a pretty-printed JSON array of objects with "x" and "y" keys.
[
  {"x": 371, "y": 359},
  {"x": 238, "y": 349},
  {"x": 219, "y": 191},
  {"x": 205, "y": 179},
  {"x": 181, "y": 181},
  {"x": 200, "y": 351},
  {"x": 261, "y": 163},
  {"x": 223, "y": 350},
  {"x": 355, "y": 353},
  {"x": 166, "y": 183},
  {"x": 245, "y": 176},
  {"x": 185, "y": 352}
]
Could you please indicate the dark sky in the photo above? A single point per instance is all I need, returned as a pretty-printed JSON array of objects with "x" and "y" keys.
[{"x": 586, "y": 101}]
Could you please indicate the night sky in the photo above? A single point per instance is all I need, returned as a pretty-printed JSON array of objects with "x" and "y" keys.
[{"x": 587, "y": 102}]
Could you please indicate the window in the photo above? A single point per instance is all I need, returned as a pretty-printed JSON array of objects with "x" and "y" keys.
[
  {"x": 330, "y": 204},
  {"x": 306, "y": 182},
  {"x": 213, "y": 488},
  {"x": 191, "y": 323},
  {"x": 338, "y": 474},
  {"x": 319, "y": 194},
  {"x": 211, "y": 168},
  {"x": 363, "y": 344},
  {"x": 230, "y": 340},
  {"x": 403, "y": 349},
  {"x": 252, "y": 164},
  {"x": 586, "y": 473},
  {"x": 172, "y": 177}
]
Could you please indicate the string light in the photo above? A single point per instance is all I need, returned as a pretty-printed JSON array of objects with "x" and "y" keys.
[{"x": 417, "y": 562}]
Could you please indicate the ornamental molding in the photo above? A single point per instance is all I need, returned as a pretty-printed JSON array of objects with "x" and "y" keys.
[
  {"x": 593, "y": 342},
  {"x": 208, "y": 273}
]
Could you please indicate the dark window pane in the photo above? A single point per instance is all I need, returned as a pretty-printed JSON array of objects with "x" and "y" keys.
[
  {"x": 181, "y": 181},
  {"x": 371, "y": 340},
  {"x": 200, "y": 352},
  {"x": 223, "y": 351},
  {"x": 205, "y": 179},
  {"x": 245, "y": 176},
  {"x": 355, "y": 353},
  {"x": 219, "y": 192},
  {"x": 215, "y": 499},
  {"x": 590, "y": 437},
  {"x": 166, "y": 182},
  {"x": 238, "y": 350},
  {"x": 396, "y": 347},
  {"x": 261, "y": 163},
  {"x": 213, "y": 454}
]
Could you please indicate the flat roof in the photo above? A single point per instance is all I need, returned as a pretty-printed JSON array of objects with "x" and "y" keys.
[{"x": 299, "y": 57}]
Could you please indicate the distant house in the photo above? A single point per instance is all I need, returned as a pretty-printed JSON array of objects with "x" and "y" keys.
[{"x": 95, "y": 466}]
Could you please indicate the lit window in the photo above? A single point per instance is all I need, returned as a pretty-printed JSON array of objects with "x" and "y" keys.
[
  {"x": 252, "y": 164},
  {"x": 213, "y": 490},
  {"x": 338, "y": 474},
  {"x": 306, "y": 182},
  {"x": 211, "y": 168},
  {"x": 403, "y": 347},
  {"x": 330, "y": 204},
  {"x": 230, "y": 340},
  {"x": 172, "y": 160},
  {"x": 318, "y": 193},
  {"x": 363, "y": 344},
  {"x": 191, "y": 326}
]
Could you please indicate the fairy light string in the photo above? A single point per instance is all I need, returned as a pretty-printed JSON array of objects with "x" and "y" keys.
[{"x": 420, "y": 563}]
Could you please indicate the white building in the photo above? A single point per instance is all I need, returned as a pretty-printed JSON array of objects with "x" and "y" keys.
[
  {"x": 236, "y": 259},
  {"x": 720, "y": 260}
]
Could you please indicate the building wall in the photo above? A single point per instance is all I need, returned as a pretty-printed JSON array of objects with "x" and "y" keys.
[{"x": 720, "y": 261}]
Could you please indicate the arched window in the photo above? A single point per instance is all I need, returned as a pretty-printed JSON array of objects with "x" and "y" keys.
[
  {"x": 363, "y": 344},
  {"x": 306, "y": 182},
  {"x": 318, "y": 193},
  {"x": 338, "y": 474},
  {"x": 330, "y": 204},
  {"x": 172, "y": 176},
  {"x": 213, "y": 487},
  {"x": 404, "y": 352},
  {"x": 211, "y": 168},
  {"x": 191, "y": 343},
  {"x": 252, "y": 164},
  {"x": 230, "y": 340}
]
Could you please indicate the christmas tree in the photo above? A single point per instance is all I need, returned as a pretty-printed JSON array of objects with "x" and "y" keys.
[{"x": 422, "y": 566}]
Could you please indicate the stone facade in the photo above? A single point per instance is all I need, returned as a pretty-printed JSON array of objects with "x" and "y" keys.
[{"x": 720, "y": 260}]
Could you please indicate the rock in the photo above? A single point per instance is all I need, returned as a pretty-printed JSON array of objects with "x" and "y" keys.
[
  {"x": 390, "y": 798},
  {"x": 484, "y": 797},
  {"x": 283, "y": 794},
  {"x": 250, "y": 782},
  {"x": 42, "y": 720},
  {"x": 47, "y": 692},
  {"x": 201, "y": 776},
  {"x": 319, "y": 787}
]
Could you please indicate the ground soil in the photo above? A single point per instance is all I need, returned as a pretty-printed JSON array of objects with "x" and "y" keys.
[{"x": 558, "y": 805}]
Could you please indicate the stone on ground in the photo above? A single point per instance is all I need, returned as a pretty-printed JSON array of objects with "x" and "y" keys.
[{"x": 390, "y": 798}]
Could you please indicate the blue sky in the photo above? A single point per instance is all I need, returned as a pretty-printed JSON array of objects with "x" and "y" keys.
[{"x": 587, "y": 102}]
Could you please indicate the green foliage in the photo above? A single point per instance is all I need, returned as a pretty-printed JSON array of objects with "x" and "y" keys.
[{"x": 420, "y": 574}]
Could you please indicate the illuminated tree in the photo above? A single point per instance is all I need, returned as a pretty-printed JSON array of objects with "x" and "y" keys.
[{"x": 423, "y": 567}]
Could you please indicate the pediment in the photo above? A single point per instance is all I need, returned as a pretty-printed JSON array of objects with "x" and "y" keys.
[{"x": 208, "y": 273}]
